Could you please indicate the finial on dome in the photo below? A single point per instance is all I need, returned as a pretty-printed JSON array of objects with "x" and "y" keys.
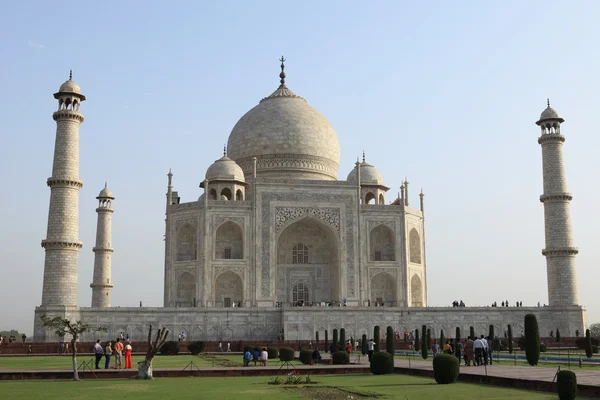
[
  {"x": 105, "y": 185},
  {"x": 282, "y": 74},
  {"x": 548, "y": 102},
  {"x": 224, "y": 150},
  {"x": 70, "y": 74},
  {"x": 364, "y": 159}
]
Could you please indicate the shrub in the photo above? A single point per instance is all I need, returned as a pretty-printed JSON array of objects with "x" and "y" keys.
[
  {"x": 335, "y": 340},
  {"x": 557, "y": 335},
  {"x": 446, "y": 368},
  {"x": 342, "y": 343},
  {"x": 589, "y": 350},
  {"x": 441, "y": 339},
  {"x": 389, "y": 341},
  {"x": 170, "y": 348},
  {"x": 532, "y": 339},
  {"x": 376, "y": 338},
  {"x": 491, "y": 334},
  {"x": 472, "y": 332},
  {"x": 417, "y": 342},
  {"x": 363, "y": 344},
  {"x": 566, "y": 385},
  {"x": 326, "y": 341},
  {"x": 382, "y": 363},
  {"x": 457, "y": 334},
  {"x": 272, "y": 352},
  {"x": 305, "y": 356},
  {"x": 196, "y": 347},
  {"x": 580, "y": 342},
  {"x": 340, "y": 358},
  {"x": 424, "y": 348},
  {"x": 429, "y": 343},
  {"x": 249, "y": 347},
  {"x": 317, "y": 338},
  {"x": 286, "y": 354},
  {"x": 510, "y": 339},
  {"x": 543, "y": 348}
]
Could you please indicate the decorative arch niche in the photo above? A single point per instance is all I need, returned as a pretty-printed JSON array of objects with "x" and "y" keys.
[
  {"x": 383, "y": 289},
  {"x": 186, "y": 290},
  {"x": 414, "y": 240},
  {"x": 416, "y": 291},
  {"x": 229, "y": 288},
  {"x": 229, "y": 242},
  {"x": 186, "y": 243},
  {"x": 382, "y": 244}
]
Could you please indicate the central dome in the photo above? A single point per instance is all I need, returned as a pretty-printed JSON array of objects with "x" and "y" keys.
[{"x": 288, "y": 137}]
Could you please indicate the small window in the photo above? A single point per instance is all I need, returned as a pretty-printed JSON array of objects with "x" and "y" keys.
[
  {"x": 227, "y": 253},
  {"x": 227, "y": 302},
  {"x": 300, "y": 254},
  {"x": 377, "y": 256},
  {"x": 300, "y": 293}
]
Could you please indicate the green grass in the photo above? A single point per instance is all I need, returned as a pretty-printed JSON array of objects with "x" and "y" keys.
[{"x": 254, "y": 388}]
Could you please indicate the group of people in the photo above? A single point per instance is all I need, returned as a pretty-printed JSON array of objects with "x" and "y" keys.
[
  {"x": 475, "y": 351},
  {"x": 220, "y": 347},
  {"x": 109, "y": 350},
  {"x": 255, "y": 356}
]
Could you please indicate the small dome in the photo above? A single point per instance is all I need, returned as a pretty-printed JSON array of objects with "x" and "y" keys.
[
  {"x": 368, "y": 175},
  {"x": 549, "y": 113},
  {"x": 225, "y": 169},
  {"x": 70, "y": 87},
  {"x": 105, "y": 194}
]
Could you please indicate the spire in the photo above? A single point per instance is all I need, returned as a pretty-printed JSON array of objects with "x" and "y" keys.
[
  {"x": 282, "y": 74},
  {"x": 170, "y": 175},
  {"x": 224, "y": 150},
  {"x": 70, "y": 74},
  {"x": 364, "y": 159},
  {"x": 105, "y": 185},
  {"x": 548, "y": 102}
]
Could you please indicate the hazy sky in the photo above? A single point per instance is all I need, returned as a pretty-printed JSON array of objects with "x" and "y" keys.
[{"x": 445, "y": 93}]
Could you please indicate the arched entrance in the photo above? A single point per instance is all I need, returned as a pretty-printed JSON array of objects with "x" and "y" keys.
[
  {"x": 228, "y": 289},
  {"x": 307, "y": 263},
  {"x": 186, "y": 290},
  {"x": 383, "y": 290},
  {"x": 416, "y": 291}
]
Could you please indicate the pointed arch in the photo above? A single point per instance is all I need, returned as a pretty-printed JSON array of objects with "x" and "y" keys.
[
  {"x": 300, "y": 293},
  {"x": 229, "y": 241},
  {"x": 212, "y": 194},
  {"x": 381, "y": 199},
  {"x": 186, "y": 243},
  {"x": 416, "y": 291},
  {"x": 300, "y": 254},
  {"x": 186, "y": 290},
  {"x": 226, "y": 194},
  {"x": 239, "y": 196},
  {"x": 414, "y": 246},
  {"x": 383, "y": 289},
  {"x": 369, "y": 197},
  {"x": 229, "y": 288},
  {"x": 382, "y": 244}
]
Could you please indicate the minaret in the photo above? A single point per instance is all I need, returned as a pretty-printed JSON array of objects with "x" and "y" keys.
[
  {"x": 62, "y": 242},
  {"x": 560, "y": 252},
  {"x": 102, "y": 283}
]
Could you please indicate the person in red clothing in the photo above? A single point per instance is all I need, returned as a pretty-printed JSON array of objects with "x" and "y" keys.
[
  {"x": 348, "y": 348},
  {"x": 128, "y": 350}
]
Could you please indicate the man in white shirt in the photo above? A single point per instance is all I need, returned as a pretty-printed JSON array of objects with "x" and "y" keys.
[
  {"x": 478, "y": 346},
  {"x": 264, "y": 356},
  {"x": 371, "y": 347},
  {"x": 98, "y": 351},
  {"x": 484, "y": 351}
]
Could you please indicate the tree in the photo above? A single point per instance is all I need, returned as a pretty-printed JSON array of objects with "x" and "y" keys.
[
  {"x": 145, "y": 367},
  {"x": 532, "y": 339},
  {"x": 472, "y": 332},
  {"x": 376, "y": 338},
  {"x": 317, "y": 339},
  {"x": 424, "y": 348},
  {"x": 342, "y": 342},
  {"x": 336, "y": 343},
  {"x": 510, "y": 339},
  {"x": 557, "y": 335},
  {"x": 363, "y": 344},
  {"x": 429, "y": 344},
  {"x": 326, "y": 341},
  {"x": 491, "y": 334},
  {"x": 441, "y": 338},
  {"x": 588, "y": 344},
  {"x": 595, "y": 330},
  {"x": 457, "y": 334},
  {"x": 63, "y": 326},
  {"x": 389, "y": 341},
  {"x": 417, "y": 342}
]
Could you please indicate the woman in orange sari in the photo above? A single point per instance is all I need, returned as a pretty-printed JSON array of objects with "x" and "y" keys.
[{"x": 128, "y": 350}]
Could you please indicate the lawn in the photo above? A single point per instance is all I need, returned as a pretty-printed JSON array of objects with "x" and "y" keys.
[{"x": 254, "y": 388}]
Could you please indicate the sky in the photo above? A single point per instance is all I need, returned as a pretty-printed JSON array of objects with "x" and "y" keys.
[{"x": 444, "y": 93}]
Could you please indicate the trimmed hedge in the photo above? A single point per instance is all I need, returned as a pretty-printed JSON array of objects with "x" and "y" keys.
[
  {"x": 566, "y": 385},
  {"x": 170, "y": 348},
  {"x": 382, "y": 363},
  {"x": 472, "y": 332},
  {"x": 363, "y": 344},
  {"x": 510, "y": 339},
  {"x": 196, "y": 347},
  {"x": 286, "y": 354},
  {"x": 342, "y": 342},
  {"x": 589, "y": 350},
  {"x": 376, "y": 338},
  {"x": 272, "y": 352},
  {"x": 335, "y": 340},
  {"x": 532, "y": 339},
  {"x": 305, "y": 356},
  {"x": 389, "y": 341},
  {"x": 417, "y": 341},
  {"x": 340, "y": 358},
  {"x": 446, "y": 368}
]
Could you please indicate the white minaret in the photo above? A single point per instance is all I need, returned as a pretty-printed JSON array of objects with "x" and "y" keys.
[
  {"x": 103, "y": 251},
  {"x": 62, "y": 242},
  {"x": 560, "y": 252}
]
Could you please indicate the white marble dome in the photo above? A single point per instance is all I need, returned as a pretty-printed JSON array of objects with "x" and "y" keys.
[
  {"x": 70, "y": 87},
  {"x": 225, "y": 169},
  {"x": 549, "y": 113},
  {"x": 105, "y": 194},
  {"x": 289, "y": 138},
  {"x": 368, "y": 175}
]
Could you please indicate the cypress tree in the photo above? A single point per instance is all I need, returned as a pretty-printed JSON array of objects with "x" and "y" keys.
[
  {"x": 376, "y": 338},
  {"x": 491, "y": 334},
  {"x": 389, "y": 340},
  {"x": 510, "y": 339},
  {"x": 589, "y": 352},
  {"x": 457, "y": 334},
  {"x": 472, "y": 332},
  {"x": 429, "y": 345},
  {"x": 557, "y": 335},
  {"x": 417, "y": 342},
  {"x": 335, "y": 340},
  {"x": 441, "y": 338},
  {"x": 424, "y": 348},
  {"x": 342, "y": 342},
  {"x": 363, "y": 344},
  {"x": 326, "y": 342},
  {"x": 317, "y": 338},
  {"x": 532, "y": 339}
]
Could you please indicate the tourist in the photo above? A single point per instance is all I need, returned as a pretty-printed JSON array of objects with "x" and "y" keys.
[
  {"x": 331, "y": 348},
  {"x": 118, "y": 354},
  {"x": 371, "y": 347},
  {"x": 62, "y": 347},
  {"x": 356, "y": 346},
  {"x": 98, "y": 351},
  {"x": 122, "y": 336},
  {"x": 128, "y": 350},
  {"x": 247, "y": 357},
  {"x": 255, "y": 356},
  {"x": 316, "y": 356},
  {"x": 348, "y": 348},
  {"x": 229, "y": 347},
  {"x": 127, "y": 338},
  {"x": 264, "y": 356},
  {"x": 107, "y": 353},
  {"x": 484, "y": 349},
  {"x": 458, "y": 348},
  {"x": 29, "y": 350},
  {"x": 179, "y": 337},
  {"x": 220, "y": 347},
  {"x": 490, "y": 348},
  {"x": 470, "y": 352},
  {"x": 447, "y": 348},
  {"x": 435, "y": 349}
]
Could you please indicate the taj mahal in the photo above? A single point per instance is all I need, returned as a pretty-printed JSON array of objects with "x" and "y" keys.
[{"x": 285, "y": 241}]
